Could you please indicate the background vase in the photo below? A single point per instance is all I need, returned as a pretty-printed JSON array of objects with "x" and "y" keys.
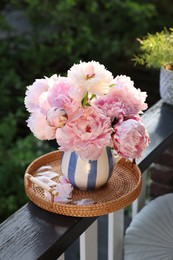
[
  {"x": 166, "y": 85},
  {"x": 88, "y": 174}
]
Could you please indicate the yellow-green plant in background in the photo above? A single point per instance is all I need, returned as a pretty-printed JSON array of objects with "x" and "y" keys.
[{"x": 156, "y": 50}]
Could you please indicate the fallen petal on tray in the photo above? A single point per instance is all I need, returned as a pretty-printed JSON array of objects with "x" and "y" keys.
[
  {"x": 63, "y": 180},
  {"x": 49, "y": 174},
  {"x": 65, "y": 190},
  {"x": 61, "y": 200},
  {"x": 45, "y": 167},
  {"x": 84, "y": 202},
  {"x": 57, "y": 199}
]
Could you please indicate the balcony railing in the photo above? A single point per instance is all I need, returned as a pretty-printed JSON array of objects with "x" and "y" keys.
[{"x": 32, "y": 233}]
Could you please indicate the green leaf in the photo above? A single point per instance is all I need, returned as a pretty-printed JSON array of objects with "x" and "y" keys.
[
  {"x": 85, "y": 100},
  {"x": 93, "y": 96}
]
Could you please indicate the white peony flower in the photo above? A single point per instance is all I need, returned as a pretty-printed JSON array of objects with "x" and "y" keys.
[{"x": 91, "y": 77}]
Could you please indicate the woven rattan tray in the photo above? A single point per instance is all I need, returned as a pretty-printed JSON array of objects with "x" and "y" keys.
[{"x": 121, "y": 190}]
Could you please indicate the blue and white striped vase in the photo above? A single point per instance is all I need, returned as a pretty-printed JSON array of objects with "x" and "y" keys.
[{"x": 88, "y": 174}]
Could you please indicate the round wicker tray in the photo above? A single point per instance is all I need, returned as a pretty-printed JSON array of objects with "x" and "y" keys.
[{"x": 121, "y": 190}]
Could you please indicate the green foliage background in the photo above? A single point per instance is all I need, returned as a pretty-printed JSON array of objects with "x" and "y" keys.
[{"x": 58, "y": 34}]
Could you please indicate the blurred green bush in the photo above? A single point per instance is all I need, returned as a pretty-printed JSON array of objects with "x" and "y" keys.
[{"x": 58, "y": 34}]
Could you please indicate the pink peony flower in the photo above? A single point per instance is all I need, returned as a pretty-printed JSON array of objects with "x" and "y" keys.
[
  {"x": 86, "y": 135},
  {"x": 123, "y": 100},
  {"x": 38, "y": 125},
  {"x": 133, "y": 98},
  {"x": 89, "y": 77},
  {"x": 124, "y": 91},
  {"x": 36, "y": 94},
  {"x": 111, "y": 107},
  {"x": 59, "y": 97},
  {"x": 123, "y": 81},
  {"x": 130, "y": 138}
]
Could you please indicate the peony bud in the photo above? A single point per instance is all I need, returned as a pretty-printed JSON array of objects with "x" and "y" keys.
[{"x": 56, "y": 117}]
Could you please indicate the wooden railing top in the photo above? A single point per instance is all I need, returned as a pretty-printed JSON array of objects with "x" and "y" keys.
[
  {"x": 32, "y": 233},
  {"x": 159, "y": 123}
]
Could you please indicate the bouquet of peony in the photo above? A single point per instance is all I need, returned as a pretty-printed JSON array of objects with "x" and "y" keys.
[{"x": 87, "y": 111}]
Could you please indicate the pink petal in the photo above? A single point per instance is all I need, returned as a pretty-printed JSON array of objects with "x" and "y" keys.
[
  {"x": 84, "y": 202},
  {"x": 45, "y": 167},
  {"x": 48, "y": 174}
]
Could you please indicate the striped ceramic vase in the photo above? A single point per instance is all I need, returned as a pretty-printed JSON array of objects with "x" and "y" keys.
[{"x": 87, "y": 174}]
